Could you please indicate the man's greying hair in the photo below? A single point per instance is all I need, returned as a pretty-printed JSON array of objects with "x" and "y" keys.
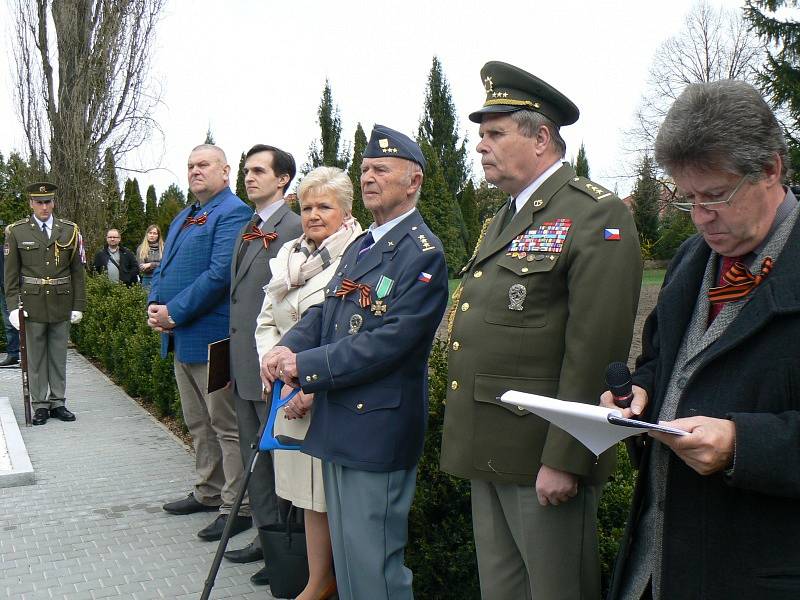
[
  {"x": 213, "y": 148},
  {"x": 529, "y": 122},
  {"x": 282, "y": 161},
  {"x": 723, "y": 125}
]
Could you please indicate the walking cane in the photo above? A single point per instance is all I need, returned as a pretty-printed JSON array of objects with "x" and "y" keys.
[
  {"x": 23, "y": 363},
  {"x": 264, "y": 442}
]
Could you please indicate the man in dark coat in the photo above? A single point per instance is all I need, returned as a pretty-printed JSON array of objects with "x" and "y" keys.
[
  {"x": 116, "y": 261},
  {"x": 547, "y": 301},
  {"x": 715, "y": 512},
  {"x": 363, "y": 354},
  {"x": 268, "y": 171}
]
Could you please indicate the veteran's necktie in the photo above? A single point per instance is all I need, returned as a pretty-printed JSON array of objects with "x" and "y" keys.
[{"x": 367, "y": 243}]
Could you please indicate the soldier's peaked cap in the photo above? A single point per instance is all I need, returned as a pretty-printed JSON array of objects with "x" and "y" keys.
[
  {"x": 41, "y": 190},
  {"x": 509, "y": 89},
  {"x": 387, "y": 142}
]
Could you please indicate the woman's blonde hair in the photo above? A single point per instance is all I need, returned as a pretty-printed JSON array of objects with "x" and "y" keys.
[
  {"x": 144, "y": 247},
  {"x": 328, "y": 179}
]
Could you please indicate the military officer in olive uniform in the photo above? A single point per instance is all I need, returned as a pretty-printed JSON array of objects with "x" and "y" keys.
[
  {"x": 44, "y": 269},
  {"x": 546, "y": 302}
]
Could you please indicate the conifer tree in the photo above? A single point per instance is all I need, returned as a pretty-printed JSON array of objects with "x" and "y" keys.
[
  {"x": 113, "y": 214},
  {"x": 209, "y": 137},
  {"x": 241, "y": 190},
  {"x": 438, "y": 127},
  {"x": 360, "y": 211},
  {"x": 326, "y": 151},
  {"x": 489, "y": 200},
  {"x": 582, "y": 163},
  {"x": 780, "y": 77},
  {"x": 135, "y": 224},
  {"x": 437, "y": 206},
  {"x": 169, "y": 205},
  {"x": 15, "y": 174},
  {"x": 646, "y": 199},
  {"x": 467, "y": 200},
  {"x": 151, "y": 206}
]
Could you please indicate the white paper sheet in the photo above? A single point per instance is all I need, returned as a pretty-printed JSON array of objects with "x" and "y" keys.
[{"x": 587, "y": 423}]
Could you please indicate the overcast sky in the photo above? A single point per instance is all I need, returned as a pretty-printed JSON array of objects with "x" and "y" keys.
[{"x": 254, "y": 71}]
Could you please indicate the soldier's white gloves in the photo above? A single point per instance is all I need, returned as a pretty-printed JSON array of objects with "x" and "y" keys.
[
  {"x": 75, "y": 317},
  {"x": 13, "y": 317}
]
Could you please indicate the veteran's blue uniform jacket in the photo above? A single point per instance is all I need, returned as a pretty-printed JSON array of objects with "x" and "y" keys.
[{"x": 367, "y": 366}]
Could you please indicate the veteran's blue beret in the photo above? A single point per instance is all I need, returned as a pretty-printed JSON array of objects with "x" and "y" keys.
[{"x": 388, "y": 142}]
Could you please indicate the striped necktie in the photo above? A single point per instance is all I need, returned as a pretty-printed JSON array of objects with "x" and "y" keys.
[{"x": 367, "y": 243}]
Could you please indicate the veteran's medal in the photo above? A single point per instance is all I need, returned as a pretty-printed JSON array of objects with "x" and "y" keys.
[
  {"x": 516, "y": 296},
  {"x": 378, "y": 308},
  {"x": 356, "y": 321}
]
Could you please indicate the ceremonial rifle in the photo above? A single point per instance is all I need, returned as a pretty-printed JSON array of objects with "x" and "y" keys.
[{"x": 23, "y": 363}]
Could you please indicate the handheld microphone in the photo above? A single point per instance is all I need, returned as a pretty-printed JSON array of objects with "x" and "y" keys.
[{"x": 618, "y": 378}]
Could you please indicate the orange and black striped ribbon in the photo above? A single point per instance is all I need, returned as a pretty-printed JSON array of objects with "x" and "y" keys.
[
  {"x": 256, "y": 233},
  {"x": 349, "y": 286},
  {"x": 195, "y": 221},
  {"x": 739, "y": 282}
]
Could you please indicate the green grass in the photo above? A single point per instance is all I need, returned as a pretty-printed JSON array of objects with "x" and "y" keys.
[{"x": 653, "y": 277}]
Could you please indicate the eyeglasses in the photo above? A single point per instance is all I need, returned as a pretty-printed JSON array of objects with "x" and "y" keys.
[{"x": 714, "y": 205}]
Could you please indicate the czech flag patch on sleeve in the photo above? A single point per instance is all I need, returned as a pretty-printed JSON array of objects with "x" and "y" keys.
[
  {"x": 424, "y": 277},
  {"x": 611, "y": 234}
]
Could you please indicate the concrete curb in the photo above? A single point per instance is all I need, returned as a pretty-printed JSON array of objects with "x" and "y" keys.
[{"x": 21, "y": 467}]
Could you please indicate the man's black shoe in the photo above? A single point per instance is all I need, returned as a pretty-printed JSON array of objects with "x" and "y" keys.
[
  {"x": 9, "y": 361},
  {"x": 61, "y": 412},
  {"x": 213, "y": 532},
  {"x": 187, "y": 506},
  {"x": 260, "y": 577},
  {"x": 40, "y": 416},
  {"x": 250, "y": 553}
]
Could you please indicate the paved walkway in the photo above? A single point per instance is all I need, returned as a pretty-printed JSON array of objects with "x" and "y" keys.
[{"x": 92, "y": 525}]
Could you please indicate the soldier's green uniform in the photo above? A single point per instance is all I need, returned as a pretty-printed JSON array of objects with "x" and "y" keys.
[
  {"x": 47, "y": 274},
  {"x": 546, "y": 303}
]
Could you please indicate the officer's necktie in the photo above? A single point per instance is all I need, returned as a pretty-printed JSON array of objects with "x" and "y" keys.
[
  {"x": 44, "y": 230},
  {"x": 511, "y": 210},
  {"x": 366, "y": 244}
]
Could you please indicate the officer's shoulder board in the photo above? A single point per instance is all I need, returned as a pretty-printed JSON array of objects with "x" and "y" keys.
[
  {"x": 421, "y": 235},
  {"x": 15, "y": 223},
  {"x": 590, "y": 188},
  {"x": 68, "y": 222}
]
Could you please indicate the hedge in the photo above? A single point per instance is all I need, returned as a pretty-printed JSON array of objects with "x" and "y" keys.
[{"x": 441, "y": 549}]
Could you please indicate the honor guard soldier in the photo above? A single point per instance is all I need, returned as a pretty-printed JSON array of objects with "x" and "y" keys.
[
  {"x": 44, "y": 274},
  {"x": 547, "y": 300}
]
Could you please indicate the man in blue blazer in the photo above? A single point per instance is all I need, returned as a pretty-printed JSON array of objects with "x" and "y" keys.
[
  {"x": 363, "y": 354},
  {"x": 189, "y": 305}
]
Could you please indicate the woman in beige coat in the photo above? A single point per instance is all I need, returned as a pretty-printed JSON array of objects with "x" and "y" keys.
[{"x": 300, "y": 272}]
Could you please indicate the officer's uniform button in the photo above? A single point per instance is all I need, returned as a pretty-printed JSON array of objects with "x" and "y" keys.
[
  {"x": 524, "y": 269},
  {"x": 308, "y": 378},
  {"x": 456, "y": 346},
  {"x": 454, "y": 385},
  {"x": 47, "y": 262},
  {"x": 477, "y": 274},
  {"x": 465, "y": 307},
  {"x": 47, "y": 292},
  {"x": 314, "y": 377},
  {"x": 520, "y": 408},
  {"x": 360, "y": 405}
]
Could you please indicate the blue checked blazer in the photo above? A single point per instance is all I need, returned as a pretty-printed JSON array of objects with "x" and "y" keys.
[
  {"x": 367, "y": 368},
  {"x": 194, "y": 276}
]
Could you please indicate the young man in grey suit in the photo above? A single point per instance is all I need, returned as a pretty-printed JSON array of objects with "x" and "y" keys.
[{"x": 268, "y": 171}]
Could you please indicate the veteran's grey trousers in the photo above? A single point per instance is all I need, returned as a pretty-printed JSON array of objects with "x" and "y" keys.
[{"x": 368, "y": 519}]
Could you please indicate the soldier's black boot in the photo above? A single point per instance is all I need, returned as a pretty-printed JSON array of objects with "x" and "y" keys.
[{"x": 40, "y": 416}]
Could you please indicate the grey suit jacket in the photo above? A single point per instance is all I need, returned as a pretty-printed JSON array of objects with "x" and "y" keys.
[{"x": 248, "y": 279}]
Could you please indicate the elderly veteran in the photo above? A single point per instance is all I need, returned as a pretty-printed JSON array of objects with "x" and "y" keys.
[
  {"x": 300, "y": 274},
  {"x": 44, "y": 272},
  {"x": 546, "y": 302},
  {"x": 715, "y": 512},
  {"x": 363, "y": 353}
]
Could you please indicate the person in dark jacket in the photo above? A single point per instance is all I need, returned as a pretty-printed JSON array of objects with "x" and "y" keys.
[
  {"x": 116, "y": 261},
  {"x": 714, "y": 512}
]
